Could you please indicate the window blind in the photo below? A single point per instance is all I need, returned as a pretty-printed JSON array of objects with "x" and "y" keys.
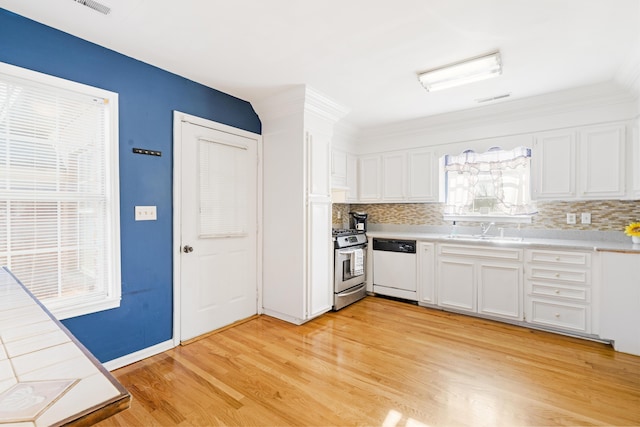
[{"x": 55, "y": 197}]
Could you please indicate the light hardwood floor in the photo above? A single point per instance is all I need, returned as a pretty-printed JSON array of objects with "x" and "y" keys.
[{"x": 383, "y": 363}]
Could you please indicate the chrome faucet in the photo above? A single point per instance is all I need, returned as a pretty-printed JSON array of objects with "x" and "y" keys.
[{"x": 485, "y": 229}]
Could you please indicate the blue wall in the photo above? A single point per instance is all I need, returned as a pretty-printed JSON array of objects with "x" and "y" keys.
[{"x": 147, "y": 98}]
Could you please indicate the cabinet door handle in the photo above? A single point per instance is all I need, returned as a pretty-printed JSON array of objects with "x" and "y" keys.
[
  {"x": 557, "y": 258},
  {"x": 557, "y": 291},
  {"x": 557, "y": 274},
  {"x": 557, "y": 315}
]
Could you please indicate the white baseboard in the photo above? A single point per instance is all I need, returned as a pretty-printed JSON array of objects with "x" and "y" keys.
[
  {"x": 138, "y": 355},
  {"x": 282, "y": 316}
]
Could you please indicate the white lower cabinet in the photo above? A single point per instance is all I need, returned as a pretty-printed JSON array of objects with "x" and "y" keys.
[
  {"x": 577, "y": 292},
  {"x": 558, "y": 314},
  {"x": 483, "y": 280},
  {"x": 558, "y": 290},
  {"x": 426, "y": 273},
  {"x": 620, "y": 301},
  {"x": 500, "y": 290},
  {"x": 457, "y": 284}
]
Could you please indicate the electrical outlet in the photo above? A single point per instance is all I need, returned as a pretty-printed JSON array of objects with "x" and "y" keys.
[
  {"x": 146, "y": 213},
  {"x": 585, "y": 218},
  {"x": 571, "y": 218}
]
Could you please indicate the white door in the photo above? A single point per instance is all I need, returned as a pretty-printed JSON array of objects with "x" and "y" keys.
[{"x": 218, "y": 207}]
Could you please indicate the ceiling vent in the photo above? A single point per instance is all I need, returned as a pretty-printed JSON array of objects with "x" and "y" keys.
[
  {"x": 493, "y": 98},
  {"x": 99, "y": 7}
]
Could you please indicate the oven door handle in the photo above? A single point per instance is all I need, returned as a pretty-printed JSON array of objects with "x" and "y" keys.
[
  {"x": 345, "y": 252},
  {"x": 351, "y": 250},
  {"x": 352, "y": 292}
]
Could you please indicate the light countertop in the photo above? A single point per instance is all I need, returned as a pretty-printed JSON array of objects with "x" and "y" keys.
[
  {"x": 545, "y": 243},
  {"x": 46, "y": 376}
]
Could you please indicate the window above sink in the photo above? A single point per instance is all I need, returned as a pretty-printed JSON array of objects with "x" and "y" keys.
[{"x": 490, "y": 186}]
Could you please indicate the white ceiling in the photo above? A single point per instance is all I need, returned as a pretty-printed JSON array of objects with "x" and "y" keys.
[{"x": 363, "y": 53}]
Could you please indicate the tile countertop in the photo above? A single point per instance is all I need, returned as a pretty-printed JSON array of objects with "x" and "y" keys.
[
  {"x": 546, "y": 243},
  {"x": 46, "y": 376}
]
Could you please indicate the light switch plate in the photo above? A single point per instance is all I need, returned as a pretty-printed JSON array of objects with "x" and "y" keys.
[
  {"x": 146, "y": 213},
  {"x": 571, "y": 218},
  {"x": 585, "y": 218}
]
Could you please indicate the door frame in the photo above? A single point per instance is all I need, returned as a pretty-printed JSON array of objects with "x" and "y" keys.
[{"x": 178, "y": 119}]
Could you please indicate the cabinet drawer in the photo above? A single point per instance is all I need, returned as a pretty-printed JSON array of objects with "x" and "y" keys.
[
  {"x": 559, "y": 315},
  {"x": 558, "y": 257},
  {"x": 578, "y": 294},
  {"x": 505, "y": 254},
  {"x": 581, "y": 277}
]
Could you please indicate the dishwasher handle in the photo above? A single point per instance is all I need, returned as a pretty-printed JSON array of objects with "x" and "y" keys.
[{"x": 395, "y": 245}]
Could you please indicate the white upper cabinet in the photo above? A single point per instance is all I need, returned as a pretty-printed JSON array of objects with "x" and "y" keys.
[
  {"x": 602, "y": 162},
  {"x": 554, "y": 165},
  {"x": 580, "y": 163},
  {"x": 352, "y": 178},
  {"x": 422, "y": 182},
  {"x": 369, "y": 179},
  {"x": 344, "y": 176},
  {"x": 393, "y": 177},
  {"x": 338, "y": 169}
]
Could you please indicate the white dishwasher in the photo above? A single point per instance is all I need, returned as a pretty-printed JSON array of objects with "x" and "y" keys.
[{"x": 395, "y": 268}]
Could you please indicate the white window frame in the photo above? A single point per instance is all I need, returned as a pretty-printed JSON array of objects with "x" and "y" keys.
[
  {"x": 112, "y": 295},
  {"x": 478, "y": 217}
]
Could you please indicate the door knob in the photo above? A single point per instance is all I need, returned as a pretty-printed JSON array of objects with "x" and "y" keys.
[{"x": 187, "y": 249}]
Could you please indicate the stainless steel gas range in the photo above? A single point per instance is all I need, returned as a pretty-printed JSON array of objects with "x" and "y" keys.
[{"x": 350, "y": 267}]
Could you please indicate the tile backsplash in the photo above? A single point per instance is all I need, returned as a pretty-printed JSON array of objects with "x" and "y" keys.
[{"x": 606, "y": 215}]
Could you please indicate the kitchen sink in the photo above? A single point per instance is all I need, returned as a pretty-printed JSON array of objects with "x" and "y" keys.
[{"x": 480, "y": 237}]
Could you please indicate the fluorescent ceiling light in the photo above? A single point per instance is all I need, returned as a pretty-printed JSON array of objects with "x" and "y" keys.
[
  {"x": 99, "y": 7},
  {"x": 463, "y": 72}
]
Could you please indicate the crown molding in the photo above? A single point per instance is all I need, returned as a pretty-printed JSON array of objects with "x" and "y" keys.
[
  {"x": 628, "y": 75},
  {"x": 323, "y": 106},
  {"x": 299, "y": 99},
  {"x": 286, "y": 102},
  {"x": 555, "y": 103}
]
